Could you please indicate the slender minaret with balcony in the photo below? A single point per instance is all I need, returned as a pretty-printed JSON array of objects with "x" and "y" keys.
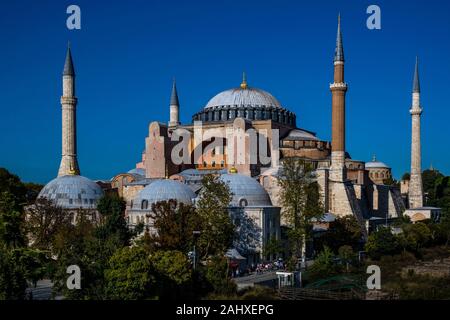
[
  {"x": 174, "y": 107},
  {"x": 69, "y": 162},
  {"x": 338, "y": 89},
  {"x": 415, "y": 194}
]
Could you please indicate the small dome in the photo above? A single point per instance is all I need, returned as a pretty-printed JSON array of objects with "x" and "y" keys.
[
  {"x": 243, "y": 97},
  {"x": 374, "y": 164},
  {"x": 72, "y": 192},
  {"x": 246, "y": 191},
  {"x": 163, "y": 190}
]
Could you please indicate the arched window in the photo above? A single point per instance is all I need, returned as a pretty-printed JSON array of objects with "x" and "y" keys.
[
  {"x": 144, "y": 205},
  {"x": 243, "y": 202}
]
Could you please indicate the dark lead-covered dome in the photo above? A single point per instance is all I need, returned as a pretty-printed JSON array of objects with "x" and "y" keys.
[{"x": 245, "y": 102}]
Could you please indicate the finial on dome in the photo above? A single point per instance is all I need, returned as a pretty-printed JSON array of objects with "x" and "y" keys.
[
  {"x": 244, "y": 81},
  {"x": 374, "y": 157}
]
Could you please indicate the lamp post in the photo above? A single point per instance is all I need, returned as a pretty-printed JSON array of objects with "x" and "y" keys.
[{"x": 196, "y": 235}]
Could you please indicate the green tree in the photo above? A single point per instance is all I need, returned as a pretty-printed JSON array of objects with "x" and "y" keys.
[
  {"x": 11, "y": 221},
  {"x": 343, "y": 231},
  {"x": 12, "y": 278},
  {"x": 75, "y": 244},
  {"x": 217, "y": 228},
  {"x": 174, "y": 224},
  {"x": 272, "y": 247},
  {"x": 44, "y": 220},
  {"x": 300, "y": 200},
  {"x": 11, "y": 184},
  {"x": 347, "y": 255},
  {"x": 217, "y": 275},
  {"x": 416, "y": 235},
  {"x": 129, "y": 275},
  {"x": 174, "y": 274},
  {"x": 382, "y": 242},
  {"x": 112, "y": 219},
  {"x": 324, "y": 265}
]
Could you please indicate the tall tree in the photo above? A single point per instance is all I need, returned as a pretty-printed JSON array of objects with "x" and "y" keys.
[
  {"x": 111, "y": 209},
  {"x": 129, "y": 275},
  {"x": 174, "y": 224},
  {"x": 11, "y": 221},
  {"x": 44, "y": 220},
  {"x": 300, "y": 200},
  {"x": 218, "y": 230},
  {"x": 343, "y": 231}
]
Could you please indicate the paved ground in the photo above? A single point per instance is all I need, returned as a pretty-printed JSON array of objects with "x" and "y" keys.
[
  {"x": 267, "y": 278},
  {"x": 43, "y": 291}
]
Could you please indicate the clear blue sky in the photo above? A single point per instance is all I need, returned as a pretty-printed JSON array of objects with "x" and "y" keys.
[{"x": 127, "y": 53}]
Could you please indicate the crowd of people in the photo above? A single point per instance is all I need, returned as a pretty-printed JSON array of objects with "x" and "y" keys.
[{"x": 259, "y": 268}]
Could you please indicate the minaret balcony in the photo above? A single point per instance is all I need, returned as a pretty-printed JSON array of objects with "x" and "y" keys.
[
  {"x": 338, "y": 86},
  {"x": 416, "y": 111}
]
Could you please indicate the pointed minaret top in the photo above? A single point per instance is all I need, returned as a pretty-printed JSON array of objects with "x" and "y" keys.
[
  {"x": 416, "y": 83},
  {"x": 339, "y": 52},
  {"x": 174, "y": 96},
  {"x": 68, "y": 65},
  {"x": 244, "y": 81}
]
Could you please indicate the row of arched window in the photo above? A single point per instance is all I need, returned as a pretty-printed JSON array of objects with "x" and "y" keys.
[{"x": 247, "y": 112}]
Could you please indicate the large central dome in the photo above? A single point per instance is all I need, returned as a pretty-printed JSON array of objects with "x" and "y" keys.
[
  {"x": 243, "y": 97},
  {"x": 247, "y": 103}
]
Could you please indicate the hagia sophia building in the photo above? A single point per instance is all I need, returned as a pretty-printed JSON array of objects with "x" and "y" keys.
[{"x": 347, "y": 186}]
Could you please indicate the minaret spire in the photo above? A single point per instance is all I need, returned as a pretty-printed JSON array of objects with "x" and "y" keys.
[
  {"x": 416, "y": 82},
  {"x": 68, "y": 65},
  {"x": 174, "y": 106},
  {"x": 69, "y": 161},
  {"x": 339, "y": 52},
  {"x": 338, "y": 89},
  {"x": 174, "y": 96},
  {"x": 415, "y": 193}
]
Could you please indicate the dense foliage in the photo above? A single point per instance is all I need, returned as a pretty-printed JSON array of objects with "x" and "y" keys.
[{"x": 300, "y": 199}]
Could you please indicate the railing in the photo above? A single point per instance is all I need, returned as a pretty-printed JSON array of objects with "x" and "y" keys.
[{"x": 289, "y": 293}]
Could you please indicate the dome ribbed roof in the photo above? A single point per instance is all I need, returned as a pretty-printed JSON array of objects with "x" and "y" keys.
[
  {"x": 376, "y": 164},
  {"x": 164, "y": 190},
  {"x": 243, "y": 97},
  {"x": 72, "y": 192},
  {"x": 244, "y": 187}
]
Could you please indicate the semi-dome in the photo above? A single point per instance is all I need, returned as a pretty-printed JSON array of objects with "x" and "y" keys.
[
  {"x": 72, "y": 192},
  {"x": 163, "y": 190},
  {"x": 246, "y": 191},
  {"x": 243, "y": 97}
]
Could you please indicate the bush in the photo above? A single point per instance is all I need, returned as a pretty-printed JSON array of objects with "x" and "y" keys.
[
  {"x": 382, "y": 242},
  {"x": 324, "y": 266},
  {"x": 218, "y": 277}
]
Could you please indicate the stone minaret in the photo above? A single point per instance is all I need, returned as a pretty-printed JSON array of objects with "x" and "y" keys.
[
  {"x": 338, "y": 90},
  {"x": 69, "y": 162},
  {"x": 415, "y": 184},
  {"x": 174, "y": 107}
]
